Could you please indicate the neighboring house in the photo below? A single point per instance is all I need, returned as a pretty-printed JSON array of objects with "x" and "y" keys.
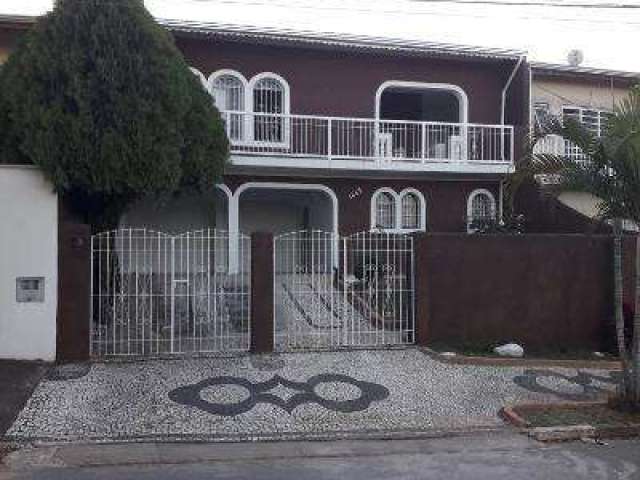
[
  {"x": 334, "y": 139},
  {"x": 587, "y": 95}
]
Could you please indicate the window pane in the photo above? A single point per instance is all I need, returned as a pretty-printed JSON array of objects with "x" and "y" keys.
[
  {"x": 410, "y": 211},
  {"x": 385, "y": 211}
]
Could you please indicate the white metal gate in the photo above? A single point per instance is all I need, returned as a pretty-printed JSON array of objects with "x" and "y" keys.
[
  {"x": 333, "y": 292},
  {"x": 154, "y": 294}
]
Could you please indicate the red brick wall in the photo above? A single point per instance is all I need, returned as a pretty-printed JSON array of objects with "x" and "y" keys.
[
  {"x": 543, "y": 291},
  {"x": 446, "y": 201},
  {"x": 325, "y": 82}
]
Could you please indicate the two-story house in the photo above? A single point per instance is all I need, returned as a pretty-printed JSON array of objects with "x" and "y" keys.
[
  {"x": 350, "y": 134},
  {"x": 335, "y": 134},
  {"x": 355, "y": 134}
]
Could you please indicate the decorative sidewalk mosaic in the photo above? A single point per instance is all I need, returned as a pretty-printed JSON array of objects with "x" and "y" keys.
[{"x": 273, "y": 396}]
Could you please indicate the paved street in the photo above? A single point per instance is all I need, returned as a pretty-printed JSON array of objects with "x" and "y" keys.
[
  {"x": 495, "y": 456},
  {"x": 287, "y": 396}
]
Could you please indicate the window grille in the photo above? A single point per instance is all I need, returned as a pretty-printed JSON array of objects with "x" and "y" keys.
[
  {"x": 410, "y": 211},
  {"x": 593, "y": 120},
  {"x": 385, "y": 211},
  {"x": 481, "y": 210},
  {"x": 228, "y": 93},
  {"x": 481, "y": 207},
  {"x": 269, "y": 98}
]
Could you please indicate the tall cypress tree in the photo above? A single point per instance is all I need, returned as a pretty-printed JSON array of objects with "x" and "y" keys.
[{"x": 98, "y": 96}]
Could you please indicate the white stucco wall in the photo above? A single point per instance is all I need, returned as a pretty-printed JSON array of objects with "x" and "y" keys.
[{"x": 28, "y": 248}]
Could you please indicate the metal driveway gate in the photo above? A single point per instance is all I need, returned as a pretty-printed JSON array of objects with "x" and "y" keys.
[
  {"x": 333, "y": 292},
  {"x": 153, "y": 293}
]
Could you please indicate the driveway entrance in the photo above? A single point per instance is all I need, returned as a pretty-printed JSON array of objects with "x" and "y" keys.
[{"x": 333, "y": 292}]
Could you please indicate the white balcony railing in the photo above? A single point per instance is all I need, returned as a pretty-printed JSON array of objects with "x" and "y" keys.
[
  {"x": 557, "y": 145},
  {"x": 379, "y": 143}
]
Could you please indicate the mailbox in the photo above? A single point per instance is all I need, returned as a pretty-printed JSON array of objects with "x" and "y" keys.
[{"x": 30, "y": 289}]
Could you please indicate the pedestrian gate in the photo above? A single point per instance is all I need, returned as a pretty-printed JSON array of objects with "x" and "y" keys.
[
  {"x": 154, "y": 293},
  {"x": 333, "y": 291}
]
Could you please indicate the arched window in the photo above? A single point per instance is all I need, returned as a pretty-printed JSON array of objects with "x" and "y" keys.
[
  {"x": 229, "y": 93},
  {"x": 410, "y": 211},
  {"x": 481, "y": 209},
  {"x": 385, "y": 211},
  {"x": 398, "y": 212},
  {"x": 270, "y": 97}
]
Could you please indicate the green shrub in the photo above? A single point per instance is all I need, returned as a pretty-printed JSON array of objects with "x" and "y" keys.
[{"x": 98, "y": 96}]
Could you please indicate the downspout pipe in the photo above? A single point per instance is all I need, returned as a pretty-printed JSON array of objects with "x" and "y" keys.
[
  {"x": 503, "y": 107},
  {"x": 506, "y": 88}
]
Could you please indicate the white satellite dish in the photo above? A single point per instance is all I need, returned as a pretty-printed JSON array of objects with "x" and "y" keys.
[{"x": 575, "y": 57}]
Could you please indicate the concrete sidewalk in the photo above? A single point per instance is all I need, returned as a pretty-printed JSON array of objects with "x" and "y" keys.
[{"x": 118, "y": 454}]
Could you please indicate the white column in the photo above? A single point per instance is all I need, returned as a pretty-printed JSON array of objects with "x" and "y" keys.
[{"x": 234, "y": 231}]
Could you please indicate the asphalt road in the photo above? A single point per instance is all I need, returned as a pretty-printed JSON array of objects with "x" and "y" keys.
[{"x": 480, "y": 456}]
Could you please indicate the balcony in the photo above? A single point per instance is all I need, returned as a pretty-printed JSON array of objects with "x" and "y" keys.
[{"x": 304, "y": 141}]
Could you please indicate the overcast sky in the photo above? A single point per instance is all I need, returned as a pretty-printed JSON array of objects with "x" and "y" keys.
[{"x": 608, "y": 37}]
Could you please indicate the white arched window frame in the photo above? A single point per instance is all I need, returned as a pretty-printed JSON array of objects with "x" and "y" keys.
[
  {"x": 455, "y": 143},
  {"x": 461, "y": 95},
  {"x": 413, "y": 211},
  {"x": 480, "y": 204},
  {"x": 270, "y": 100},
  {"x": 397, "y": 210},
  {"x": 201, "y": 77},
  {"x": 230, "y": 92}
]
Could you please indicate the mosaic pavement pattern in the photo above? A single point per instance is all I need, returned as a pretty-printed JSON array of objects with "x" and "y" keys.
[
  {"x": 288, "y": 394},
  {"x": 314, "y": 316}
]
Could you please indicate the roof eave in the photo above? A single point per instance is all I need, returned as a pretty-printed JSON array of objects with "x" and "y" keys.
[
  {"x": 323, "y": 40},
  {"x": 559, "y": 70}
]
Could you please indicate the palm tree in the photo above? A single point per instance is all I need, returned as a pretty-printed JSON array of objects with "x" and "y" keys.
[{"x": 609, "y": 169}]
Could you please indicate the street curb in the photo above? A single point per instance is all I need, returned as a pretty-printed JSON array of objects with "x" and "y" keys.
[
  {"x": 565, "y": 432},
  {"x": 523, "y": 362},
  {"x": 280, "y": 437}
]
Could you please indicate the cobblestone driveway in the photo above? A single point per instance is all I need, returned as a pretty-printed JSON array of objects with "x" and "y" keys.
[{"x": 289, "y": 394}]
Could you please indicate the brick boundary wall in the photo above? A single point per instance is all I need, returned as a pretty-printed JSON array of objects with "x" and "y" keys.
[{"x": 543, "y": 291}]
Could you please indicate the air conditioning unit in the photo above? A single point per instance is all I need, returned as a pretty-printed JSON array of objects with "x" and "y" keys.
[
  {"x": 456, "y": 151},
  {"x": 384, "y": 145}
]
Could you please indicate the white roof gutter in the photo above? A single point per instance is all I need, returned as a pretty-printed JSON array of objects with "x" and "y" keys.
[{"x": 506, "y": 87}]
